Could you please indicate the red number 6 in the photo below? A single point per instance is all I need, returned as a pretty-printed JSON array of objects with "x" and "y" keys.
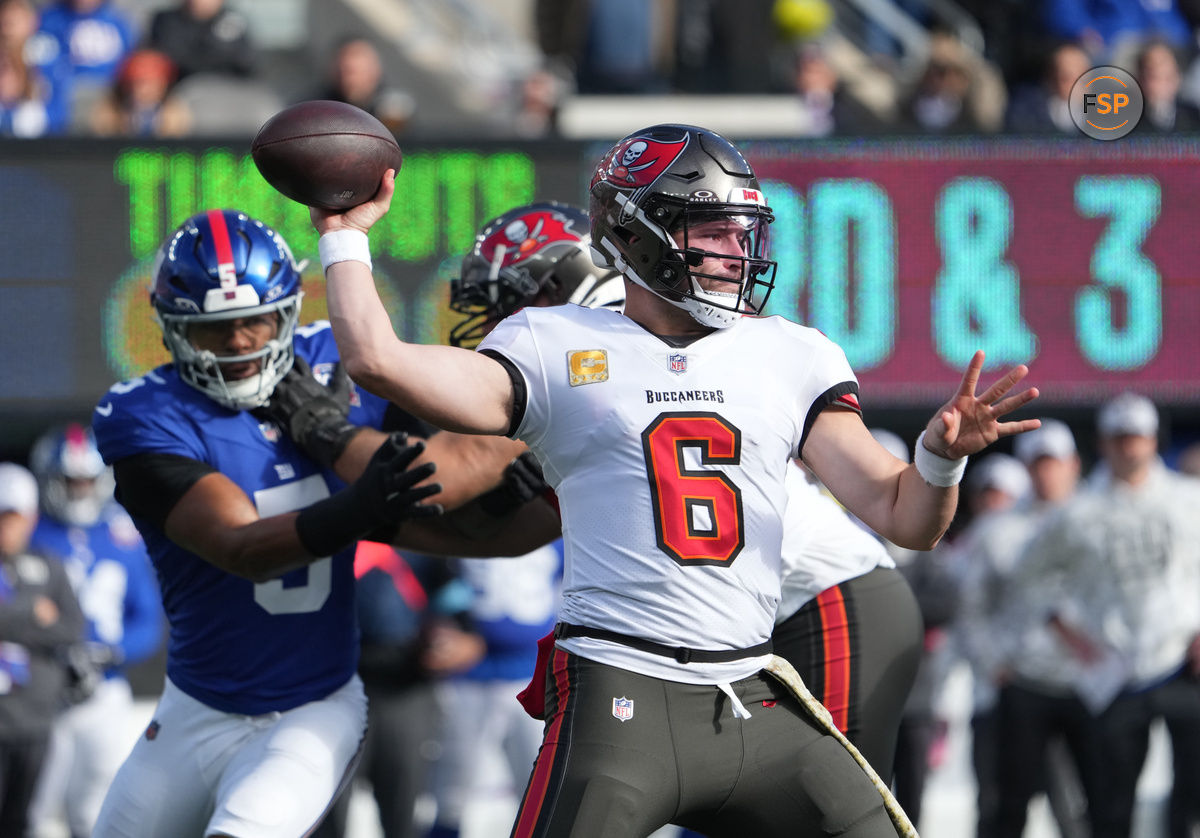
[{"x": 697, "y": 513}]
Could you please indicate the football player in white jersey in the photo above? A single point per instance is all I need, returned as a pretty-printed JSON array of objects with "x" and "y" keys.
[
  {"x": 666, "y": 433},
  {"x": 847, "y": 619}
]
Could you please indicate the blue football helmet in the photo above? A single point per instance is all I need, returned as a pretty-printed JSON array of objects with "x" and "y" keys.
[
  {"x": 220, "y": 265},
  {"x": 74, "y": 484},
  {"x": 534, "y": 253}
]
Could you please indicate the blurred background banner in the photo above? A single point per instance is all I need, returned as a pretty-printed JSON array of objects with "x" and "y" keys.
[{"x": 910, "y": 253}]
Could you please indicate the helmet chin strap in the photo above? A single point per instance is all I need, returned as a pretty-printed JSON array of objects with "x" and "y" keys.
[{"x": 712, "y": 308}]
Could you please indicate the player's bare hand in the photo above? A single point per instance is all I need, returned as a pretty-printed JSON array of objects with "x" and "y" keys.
[
  {"x": 361, "y": 217},
  {"x": 968, "y": 423}
]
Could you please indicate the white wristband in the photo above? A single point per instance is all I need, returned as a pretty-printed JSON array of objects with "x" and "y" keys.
[
  {"x": 937, "y": 470},
  {"x": 343, "y": 246}
]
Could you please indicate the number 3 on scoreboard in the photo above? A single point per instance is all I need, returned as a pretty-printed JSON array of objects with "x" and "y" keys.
[{"x": 697, "y": 512}]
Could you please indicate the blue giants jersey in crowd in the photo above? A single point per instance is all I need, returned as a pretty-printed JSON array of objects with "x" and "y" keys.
[
  {"x": 113, "y": 581},
  {"x": 238, "y": 646},
  {"x": 515, "y": 604}
]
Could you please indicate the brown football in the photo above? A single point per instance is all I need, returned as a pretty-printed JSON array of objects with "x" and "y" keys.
[{"x": 325, "y": 154}]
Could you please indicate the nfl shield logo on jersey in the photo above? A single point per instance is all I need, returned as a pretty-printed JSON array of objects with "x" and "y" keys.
[
  {"x": 623, "y": 708},
  {"x": 678, "y": 363}
]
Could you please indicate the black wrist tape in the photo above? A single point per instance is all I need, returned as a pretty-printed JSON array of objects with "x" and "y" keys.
[{"x": 332, "y": 524}]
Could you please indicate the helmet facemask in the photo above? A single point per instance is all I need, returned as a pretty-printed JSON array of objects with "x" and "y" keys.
[
  {"x": 222, "y": 265},
  {"x": 74, "y": 483},
  {"x": 487, "y": 293},
  {"x": 681, "y": 255},
  {"x": 652, "y": 194},
  {"x": 202, "y": 368}
]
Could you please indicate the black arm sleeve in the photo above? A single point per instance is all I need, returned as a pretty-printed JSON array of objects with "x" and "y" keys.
[
  {"x": 520, "y": 396},
  {"x": 149, "y": 485}
]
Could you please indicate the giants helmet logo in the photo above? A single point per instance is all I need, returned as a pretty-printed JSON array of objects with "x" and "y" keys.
[
  {"x": 524, "y": 236},
  {"x": 638, "y": 162}
]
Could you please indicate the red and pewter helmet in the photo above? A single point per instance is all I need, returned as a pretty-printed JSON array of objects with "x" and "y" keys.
[
  {"x": 537, "y": 254},
  {"x": 667, "y": 179}
]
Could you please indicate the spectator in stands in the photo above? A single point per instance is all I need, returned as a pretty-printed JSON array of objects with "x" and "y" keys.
[
  {"x": 23, "y": 104},
  {"x": 728, "y": 46},
  {"x": 93, "y": 35},
  {"x": 204, "y": 36},
  {"x": 1112, "y": 30},
  {"x": 1160, "y": 78},
  {"x": 79, "y": 46},
  {"x": 39, "y": 619},
  {"x": 828, "y": 108},
  {"x": 1189, "y": 460},
  {"x": 957, "y": 93},
  {"x": 611, "y": 47},
  {"x": 1045, "y": 108},
  {"x": 356, "y": 76},
  {"x": 538, "y": 99},
  {"x": 18, "y": 23},
  {"x": 140, "y": 103}
]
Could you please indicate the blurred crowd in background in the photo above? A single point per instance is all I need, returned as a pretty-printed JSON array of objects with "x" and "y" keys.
[
  {"x": 148, "y": 68},
  {"x": 509, "y": 68},
  {"x": 1066, "y": 588}
]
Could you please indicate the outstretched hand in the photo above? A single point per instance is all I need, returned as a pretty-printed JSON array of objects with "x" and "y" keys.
[
  {"x": 968, "y": 423},
  {"x": 361, "y": 217},
  {"x": 388, "y": 490}
]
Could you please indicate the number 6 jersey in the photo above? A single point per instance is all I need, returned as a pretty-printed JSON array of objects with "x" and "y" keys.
[{"x": 669, "y": 465}]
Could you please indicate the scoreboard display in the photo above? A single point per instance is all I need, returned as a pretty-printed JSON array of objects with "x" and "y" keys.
[{"x": 1077, "y": 257}]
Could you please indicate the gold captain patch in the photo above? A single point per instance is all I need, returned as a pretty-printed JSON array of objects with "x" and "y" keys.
[{"x": 587, "y": 366}]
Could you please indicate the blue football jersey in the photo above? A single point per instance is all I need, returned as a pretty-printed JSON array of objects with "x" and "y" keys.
[
  {"x": 113, "y": 581},
  {"x": 235, "y": 645}
]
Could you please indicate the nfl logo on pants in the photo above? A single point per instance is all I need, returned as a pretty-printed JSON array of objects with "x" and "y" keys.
[{"x": 623, "y": 708}]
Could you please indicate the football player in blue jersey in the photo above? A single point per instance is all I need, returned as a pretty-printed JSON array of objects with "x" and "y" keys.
[
  {"x": 252, "y": 534},
  {"x": 106, "y": 562}
]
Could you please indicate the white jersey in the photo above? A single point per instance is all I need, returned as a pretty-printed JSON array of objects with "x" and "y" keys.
[
  {"x": 822, "y": 545},
  {"x": 1132, "y": 555},
  {"x": 1004, "y": 606},
  {"x": 669, "y": 465}
]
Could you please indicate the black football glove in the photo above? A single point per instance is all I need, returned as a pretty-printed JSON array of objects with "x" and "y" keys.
[
  {"x": 523, "y": 481},
  {"x": 313, "y": 415},
  {"x": 486, "y": 514},
  {"x": 380, "y": 500}
]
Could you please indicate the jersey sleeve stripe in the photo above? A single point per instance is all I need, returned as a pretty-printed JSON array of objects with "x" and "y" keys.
[{"x": 844, "y": 395}]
